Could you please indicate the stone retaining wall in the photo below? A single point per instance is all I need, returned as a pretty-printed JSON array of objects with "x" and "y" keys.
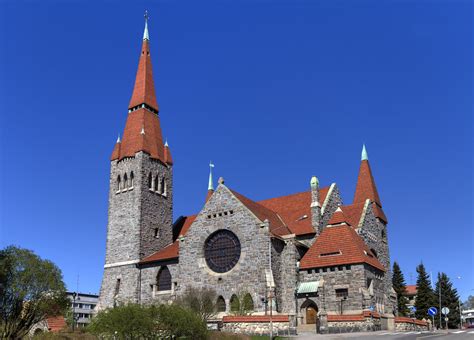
[
  {"x": 407, "y": 324},
  {"x": 256, "y": 325}
]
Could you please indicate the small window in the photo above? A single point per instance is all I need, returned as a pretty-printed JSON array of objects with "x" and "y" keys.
[
  {"x": 330, "y": 254},
  {"x": 155, "y": 186},
  {"x": 117, "y": 287},
  {"x": 369, "y": 282},
  {"x": 333, "y": 269},
  {"x": 155, "y": 232},
  {"x": 150, "y": 181},
  {"x": 373, "y": 252},
  {"x": 118, "y": 182},
  {"x": 164, "y": 279},
  {"x": 132, "y": 177},
  {"x": 125, "y": 181},
  {"x": 342, "y": 293},
  {"x": 340, "y": 268}
]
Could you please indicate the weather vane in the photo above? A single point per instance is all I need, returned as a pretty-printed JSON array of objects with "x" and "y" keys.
[{"x": 146, "y": 15}]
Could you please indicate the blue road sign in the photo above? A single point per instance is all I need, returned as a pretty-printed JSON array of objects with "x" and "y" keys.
[
  {"x": 432, "y": 311},
  {"x": 413, "y": 309},
  {"x": 371, "y": 308}
]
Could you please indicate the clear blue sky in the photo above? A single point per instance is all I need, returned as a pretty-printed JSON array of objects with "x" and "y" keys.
[{"x": 272, "y": 92}]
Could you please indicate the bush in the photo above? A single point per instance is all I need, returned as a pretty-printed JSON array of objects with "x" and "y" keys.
[
  {"x": 201, "y": 301},
  {"x": 133, "y": 321}
]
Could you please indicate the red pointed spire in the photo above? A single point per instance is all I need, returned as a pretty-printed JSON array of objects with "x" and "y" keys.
[
  {"x": 366, "y": 188},
  {"x": 142, "y": 130},
  {"x": 144, "y": 90}
]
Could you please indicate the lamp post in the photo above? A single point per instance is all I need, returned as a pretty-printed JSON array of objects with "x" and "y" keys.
[{"x": 74, "y": 295}]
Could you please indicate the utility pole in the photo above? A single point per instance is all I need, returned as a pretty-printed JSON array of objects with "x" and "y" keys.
[
  {"x": 440, "y": 307},
  {"x": 271, "y": 277}
]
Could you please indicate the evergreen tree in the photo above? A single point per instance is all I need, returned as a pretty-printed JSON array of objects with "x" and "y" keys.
[
  {"x": 398, "y": 283},
  {"x": 449, "y": 298},
  {"x": 425, "y": 297}
]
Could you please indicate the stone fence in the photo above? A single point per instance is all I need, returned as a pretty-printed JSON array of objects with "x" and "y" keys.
[
  {"x": 408, "y": 324},
  {"x": 364, "y": 322},
  {"x": 257, "y": 324}
]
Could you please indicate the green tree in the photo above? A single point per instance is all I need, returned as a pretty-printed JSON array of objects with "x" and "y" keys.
[
  {"x": 201, "y": 301},
  {"x": 469, "y": 303},
  {"x": 30, "y": 290},
  {"x": 424, "y": 297},
  {"x": 449, "y": 298},
  {"x": 398, "y": 283}
]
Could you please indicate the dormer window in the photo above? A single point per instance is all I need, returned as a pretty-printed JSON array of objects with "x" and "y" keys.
[{"x": 330, "y": 254}]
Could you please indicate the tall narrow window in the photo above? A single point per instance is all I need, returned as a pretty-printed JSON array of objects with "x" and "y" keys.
[
  {"x": 132, "y": 177},
  {"x": 163, "y": 186},
  {"x": 125, "y": 181},
  {"x": 156, "y": 183},
  {"x": 220, "y": 304},
  {"x": 164, "y": 279},
  {"x": 248, "y": 303},
  {"x": 117, "y": 287},
  {"x": 118, "y": 182},
  {"x": 150, "y": 181}
]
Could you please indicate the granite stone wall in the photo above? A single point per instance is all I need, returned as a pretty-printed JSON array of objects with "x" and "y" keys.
[
  {"x": 139, "y": 222},
  {"x": 224, "y": 211}
]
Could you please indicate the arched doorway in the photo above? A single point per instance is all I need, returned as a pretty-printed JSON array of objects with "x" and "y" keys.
[{"x": 309, "y": 309}]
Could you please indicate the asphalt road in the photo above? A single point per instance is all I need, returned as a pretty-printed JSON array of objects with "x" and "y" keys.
[{"x": 452, "y": 334}]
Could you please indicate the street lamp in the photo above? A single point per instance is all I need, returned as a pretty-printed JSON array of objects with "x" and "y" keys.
[{"x": 74, "y": 295}]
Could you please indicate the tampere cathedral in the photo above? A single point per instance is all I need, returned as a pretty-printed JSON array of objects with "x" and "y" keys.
[{"x": 315, "y": 255}]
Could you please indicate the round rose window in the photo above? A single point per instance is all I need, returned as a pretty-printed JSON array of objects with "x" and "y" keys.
[{"x": 222, "y": 251}]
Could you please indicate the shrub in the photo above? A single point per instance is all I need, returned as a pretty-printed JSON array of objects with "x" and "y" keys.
[{"x": 201, "y": 301}]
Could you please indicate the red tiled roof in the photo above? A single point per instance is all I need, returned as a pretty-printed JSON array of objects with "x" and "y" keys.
[
  {"x": 292, "y": 208},
  {"x": 341, "y": 239},
  {"x": 277, "y": 226},
  {"x": 411, "y": 290},
  {"x": 56, "y": 323},
  {"x": 142, "y": 130},
  {"x": 144, "y": 89},
  {"x": 366, "y": 185},
  {"x": 338, "y": 217},
  {"x": 167, "y": 253},
  {"x": 353, "y": 213},
  {"x": 187, "y": 223},
  {"x": 378, "y": 212},
  {"x": 255, "y": 318}
]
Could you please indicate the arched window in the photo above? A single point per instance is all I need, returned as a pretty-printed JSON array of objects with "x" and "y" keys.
[
  {"x": 132, "y": 177},
  {"x": 125, "y": 181},
  {"x": 118, "y": 182},
  {"x": 247, "y": 303},
  {"x": 164, "y": 279},
  {"x": 220, "y": 304},
  {"x": 384, "y": 235},
  {"x": 234, "y": 303},
  {"x": 155, "y": 187},
  {"x": 163, "y": 186},
  {"x": 150, "y": 181}
]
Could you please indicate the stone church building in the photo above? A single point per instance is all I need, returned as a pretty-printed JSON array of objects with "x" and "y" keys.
[{"x": 307, "y": 255}]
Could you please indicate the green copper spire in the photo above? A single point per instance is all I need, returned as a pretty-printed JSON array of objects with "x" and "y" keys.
[
  {"x": 211, "y": 184},
  {"x": 364, "y": 156},
  {"x": 314, "y": 182}
]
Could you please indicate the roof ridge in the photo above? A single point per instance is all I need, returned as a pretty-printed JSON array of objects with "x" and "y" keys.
[{"x": 293, "y": 194}]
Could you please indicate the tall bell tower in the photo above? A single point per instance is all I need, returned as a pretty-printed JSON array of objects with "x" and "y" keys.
[{"x": 140, "y": 193}]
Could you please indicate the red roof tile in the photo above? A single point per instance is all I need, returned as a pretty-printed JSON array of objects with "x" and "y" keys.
[
  {"x": 167, "y": 253},
  {"x": 411, "y": 290},
  {"x": 336, "y": 239},
  {"x": 292, "y": 208},
  {"x": 187, "y": 223},
  {"x": 366, "y": 185},
  {"x": 353, "y": 213},
  {"x": 338, "y": 217},
  {"x": 56, "y": 323},
  {"x": 255, "y": 318},
  {"x": 277, "y": 226},
  {"x": 144, "y": 89}
]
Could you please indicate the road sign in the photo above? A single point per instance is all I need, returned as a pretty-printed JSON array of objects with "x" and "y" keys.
[
  {"x": 371, "y": 308},
  {"x": 445, "y": 310},
  {"x": 432, "y": 311},
  {"x": 446, "y": 319},
  {"x": 413, "y": 309}
]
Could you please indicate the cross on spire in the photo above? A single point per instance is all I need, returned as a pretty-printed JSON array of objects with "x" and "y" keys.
[{"x": 211, "y": 184}]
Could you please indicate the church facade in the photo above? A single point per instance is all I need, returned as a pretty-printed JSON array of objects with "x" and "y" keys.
[{"x": 306, "y": 255}]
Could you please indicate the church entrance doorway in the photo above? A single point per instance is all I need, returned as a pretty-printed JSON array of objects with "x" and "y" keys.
[{"x": 309, "y": 309}]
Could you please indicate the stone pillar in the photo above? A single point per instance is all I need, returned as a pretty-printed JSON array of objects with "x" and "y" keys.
[
  {"x": 323, "y": 322},
  {"x": 315, "y": 206}
]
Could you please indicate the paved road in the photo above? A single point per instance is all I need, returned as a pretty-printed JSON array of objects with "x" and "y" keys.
[{"x": 441, "y": 335}]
